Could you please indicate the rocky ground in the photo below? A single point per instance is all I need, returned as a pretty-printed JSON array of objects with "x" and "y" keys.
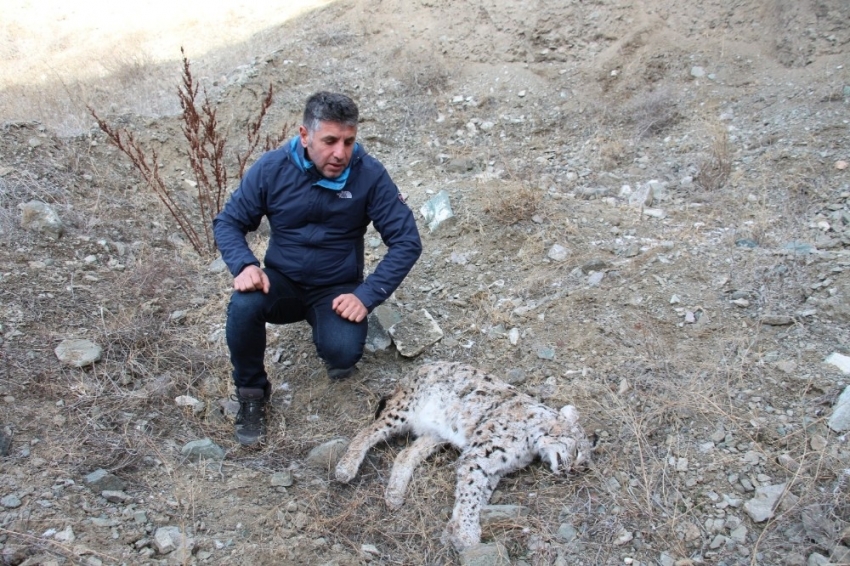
[{"x": 651, "y": 221}]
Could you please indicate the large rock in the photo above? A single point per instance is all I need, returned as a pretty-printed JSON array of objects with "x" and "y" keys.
[
  {"x": 325, "y": 456},
  {"x": 41, "y": 217},
  {"x": 839, "y": 420},
  {"x": 78, "y": 353},
  {"x": 762, "y": 506},
  {"x": 101, "y": 480},
  {"x": 415, "y": 332},
  {"x": 485, "y": 555},
  {"x": 204, "y": 449}
]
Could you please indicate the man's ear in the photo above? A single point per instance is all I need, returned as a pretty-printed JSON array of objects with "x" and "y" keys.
[{"x": 304, "y": 134}]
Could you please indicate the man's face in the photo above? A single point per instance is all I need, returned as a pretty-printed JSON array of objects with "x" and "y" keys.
[{"x": 329, "y": 147}]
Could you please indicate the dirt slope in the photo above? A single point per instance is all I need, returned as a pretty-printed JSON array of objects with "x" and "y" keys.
[{"x": 690, "y": 329}]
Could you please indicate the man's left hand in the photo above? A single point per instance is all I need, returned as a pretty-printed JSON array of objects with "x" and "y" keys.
[{"x": 349, "y": 307}]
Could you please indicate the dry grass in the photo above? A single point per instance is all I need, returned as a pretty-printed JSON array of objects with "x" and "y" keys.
[
  {"x": 716, "y": 165},
  {"x": 513, "y": 202}
]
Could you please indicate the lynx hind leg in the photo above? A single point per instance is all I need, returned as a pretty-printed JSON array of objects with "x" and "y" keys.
[
  {"x": 473, "y": 491},
  {"x": 392, "y": 421},
  {"x": 407, "y": 461}
]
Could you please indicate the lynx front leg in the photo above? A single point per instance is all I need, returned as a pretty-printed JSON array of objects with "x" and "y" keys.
[
  {"x": 380, "y": 430},
  {"x": 403, "y": 467},
  {"x": 474, "y": 488}
]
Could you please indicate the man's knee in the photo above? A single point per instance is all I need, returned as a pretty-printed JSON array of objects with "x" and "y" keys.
[{"x": 245, "y": 305}]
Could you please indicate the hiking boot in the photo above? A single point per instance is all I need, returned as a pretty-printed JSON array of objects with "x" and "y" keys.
[
  {"x": 338, "y": 374},
  {"x": 251, "y": 419}
]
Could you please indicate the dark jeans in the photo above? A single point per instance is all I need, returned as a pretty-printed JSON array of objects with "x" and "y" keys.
[{"x": 339, "y": 342}]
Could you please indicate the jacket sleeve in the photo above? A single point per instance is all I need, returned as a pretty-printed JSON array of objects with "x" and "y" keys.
[
  {"x": 394, "y": 221},
  {"x": 242, "y": 214}
]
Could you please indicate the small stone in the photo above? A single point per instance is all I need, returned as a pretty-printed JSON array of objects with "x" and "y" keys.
[
  {"x": 204, "y": 449},
  {"x": 840, "y": 361},
  {"x": 101, "y": 480},
  {"x": 624, "y": 537},
  {"x": 493, "y": 554},
  {"x": 841, "y": 165},
  {"x": 495, "y": 513},
  {"x": 78, "y": 353},
  {"x": 743, "y": 303},
  {"x": 697, "y": 72},
  {"x": 5, "y": 441},
  {"x": 116, "y": 496},
  {"x": 558, "y": 253},
  {"x": 326, "y": 455},
  {"x": 65, "y": 535},
  {"x": 762, "y": 506},
  {"x": 167, "y": 539},
  {"x": 567, "y": 532},
  {"x": 777, "y": 320},
  {"x": 11, "y": 501},
  {"x": 370, "y": 549},
  {"x": 40, "y": 217},
  {"x": 282, "y": 479},
  {"x": 546, "y": 353}
]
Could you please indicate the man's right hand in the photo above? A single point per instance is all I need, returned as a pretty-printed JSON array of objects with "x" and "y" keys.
[{"x": 252, "y": 278}]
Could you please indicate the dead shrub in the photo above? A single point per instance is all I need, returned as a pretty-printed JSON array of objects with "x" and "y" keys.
[
  {"x": 206, "y": 141},
  {"x": 714, "y": 168},
  {"x": 651, "y": 112},
  {"x": 514, "y": 204}
]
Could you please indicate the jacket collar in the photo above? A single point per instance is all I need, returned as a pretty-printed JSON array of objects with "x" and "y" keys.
[{"x": 297, "y": 155}]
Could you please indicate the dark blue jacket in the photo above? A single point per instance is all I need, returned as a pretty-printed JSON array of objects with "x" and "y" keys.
[{"x": 317, "y": 233}]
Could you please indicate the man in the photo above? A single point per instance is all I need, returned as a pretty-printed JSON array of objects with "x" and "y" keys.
[{"x": 319, "y": 192}]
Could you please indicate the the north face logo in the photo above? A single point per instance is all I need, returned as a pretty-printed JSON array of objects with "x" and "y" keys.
[{"x": 344, "y": 194}]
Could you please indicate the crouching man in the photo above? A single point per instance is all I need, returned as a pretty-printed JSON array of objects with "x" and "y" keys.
[{"x": 319, "y": 192}]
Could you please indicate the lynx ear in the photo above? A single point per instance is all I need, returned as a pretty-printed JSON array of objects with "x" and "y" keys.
[{"x": 569, "y": 413}]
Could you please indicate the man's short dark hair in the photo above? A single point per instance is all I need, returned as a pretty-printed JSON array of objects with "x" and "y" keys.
[{"x": 330, "y": 107}]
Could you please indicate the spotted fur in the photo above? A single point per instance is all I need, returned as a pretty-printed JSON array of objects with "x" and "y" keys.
[{"x": 497, "y": 429}]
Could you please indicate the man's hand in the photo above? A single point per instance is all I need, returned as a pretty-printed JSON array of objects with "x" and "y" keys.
[
  {"x": 252, "y": 278},
  {"x": 349, "y": 307}
]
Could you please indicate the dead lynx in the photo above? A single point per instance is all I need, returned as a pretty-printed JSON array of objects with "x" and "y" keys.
[{"x": 497, "y": 429}]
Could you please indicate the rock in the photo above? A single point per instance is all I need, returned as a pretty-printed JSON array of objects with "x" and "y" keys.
[
  {"x": 170, "y": 539},
  {"x": 40, "y": 217},
  {"x": 840, "y": 361},
  {"x": 218, "y": 266},
  {"x": 78, "y": 353},
  {"x": 697, "y": 72},
  {"x": 101, "y": 480},
  {"x": 437, "y": 210},
  {"x": 567, "y": 533},
  {"x": 5, "y": 441},
  {"x": 325, "y": 456},
  {"x": 746, "y": 243},
  {"x": 66, "y": 535},
  {"x": 415, "y": 333},
  {"x": 558, "y": 253},
  {"x": 655, "y": 213},
  {"x": 282, "y": 479},
  {"x": 115, "y": 496},
  {"x": 816, "y": 559},
  {"x": 495, "y": 513},
  {"x": 840, "y": 555},
  {"x": 11, "y": 501},
  {"x": 777, "y": 320},
  {"x": 839, "y": 420},
  {"x": 546, "y": 352},
  {"x": 377, "y": 337},
  {"x": 370, "y": 549},
  {"x": 494, "y": 554},
  {"x": 761, "y": 507},
  {"x": 513, "y": 336},
  {"x": 841, "y": 165},
  {"x": 595, "y": 278},
  {"x": 196, "y": 405},
  {"x": 204, "y": 449}
]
